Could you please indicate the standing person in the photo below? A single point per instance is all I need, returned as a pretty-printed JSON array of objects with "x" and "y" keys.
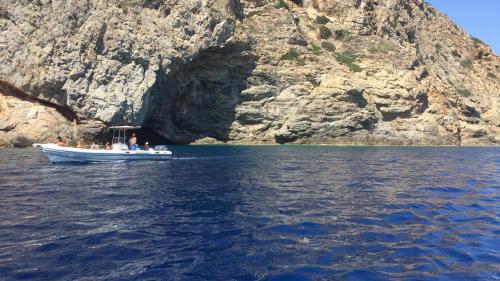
[{"x": 133, "y": 142}]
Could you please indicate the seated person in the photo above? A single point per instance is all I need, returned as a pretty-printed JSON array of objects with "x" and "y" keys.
[
  {"x": 94, "y": 146},
  {"x": 60, "y": 142},
  {"x": 108, "y": 147},
  {"x": 79, "y": 145}
]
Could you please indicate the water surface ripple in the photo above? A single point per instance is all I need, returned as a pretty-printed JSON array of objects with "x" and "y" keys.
[{"x": 255, "y": 213}]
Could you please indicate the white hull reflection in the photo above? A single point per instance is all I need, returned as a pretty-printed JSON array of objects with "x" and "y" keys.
[{"x": 57, "y": 154}]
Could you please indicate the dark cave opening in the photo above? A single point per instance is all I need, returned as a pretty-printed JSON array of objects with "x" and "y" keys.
[
  {"x": 146, "y": 134},
  {"x": 199, "y": 99}
]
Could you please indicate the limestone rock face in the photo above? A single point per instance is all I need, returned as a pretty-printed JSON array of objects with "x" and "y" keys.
[
  {"x": 259, "y": 71},
  {"x": 102, "y": 59},
  {"x": 366, "y": 72},
  {"x": 24, "y": 122}
]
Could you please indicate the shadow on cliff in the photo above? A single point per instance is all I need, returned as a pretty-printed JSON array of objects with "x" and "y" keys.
[
  {"x": 198, "y": 99},
  {"x": 8, "y": 89}
]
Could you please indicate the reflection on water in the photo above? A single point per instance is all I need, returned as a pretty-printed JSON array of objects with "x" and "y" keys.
[{"x": 254, "y": 213}]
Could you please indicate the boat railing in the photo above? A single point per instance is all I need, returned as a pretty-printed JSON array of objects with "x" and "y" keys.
[{"x": 119, "y": 140}]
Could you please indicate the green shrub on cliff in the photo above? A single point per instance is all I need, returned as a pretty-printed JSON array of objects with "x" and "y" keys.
[
  {"x": 460, "y": 90},
  {"x": 328, "y": 46},
  {"x": 324, "y": 32},
  {"x": 464, "y": 92},
  {"x": 322, "y": 20},
  {"x": 292, "y": 54},
  {"x": 467, "y": 63},
  {"x": 477, "y": 40},
  {"x": 315, "y": 49},
  {"x": 384, "y": 48},
  {"x": 282, "y": 4},
  {"x": 341, "y": 34},
  {"x": 3, "y": 11},
  {"x": 349, "y": 60},
  {"x": 455, "y": 54}
]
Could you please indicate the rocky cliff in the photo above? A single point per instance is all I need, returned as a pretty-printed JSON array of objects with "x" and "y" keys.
[{"x": 261, "y": 71}]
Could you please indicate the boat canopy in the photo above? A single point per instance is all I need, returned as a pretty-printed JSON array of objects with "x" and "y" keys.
[
  {"x": 125, "y": 127},
  {"x": 119, "y": 140}
]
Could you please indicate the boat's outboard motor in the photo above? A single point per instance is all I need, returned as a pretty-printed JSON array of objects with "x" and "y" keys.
[
  {"x": 119, "y": 146},
  {"x": 161, "y": 148}
]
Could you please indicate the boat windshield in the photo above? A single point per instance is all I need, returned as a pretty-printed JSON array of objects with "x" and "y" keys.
[
  {"x": 120, "y": 140},
  {"x": 119, "y": 136}
]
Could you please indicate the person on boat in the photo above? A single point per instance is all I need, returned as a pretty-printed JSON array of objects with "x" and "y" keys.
[
  {"x": 94, "y": 146},
  {"x": 60, "y": 142},
  {"x": 133, "y": 142},
  {"x": 108, "y": 147},
  {"x": 79, "y": 145},
  {"x": 146, "y": 146}
]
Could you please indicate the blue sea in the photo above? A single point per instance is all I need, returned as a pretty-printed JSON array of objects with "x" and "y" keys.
[{"x": 255, "y": 213}]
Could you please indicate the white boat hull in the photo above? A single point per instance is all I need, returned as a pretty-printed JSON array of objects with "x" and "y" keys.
[{"x": 57, "y": 154}]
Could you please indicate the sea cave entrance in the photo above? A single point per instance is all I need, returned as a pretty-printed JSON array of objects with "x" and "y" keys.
[{"x": 146, "y": 134}]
